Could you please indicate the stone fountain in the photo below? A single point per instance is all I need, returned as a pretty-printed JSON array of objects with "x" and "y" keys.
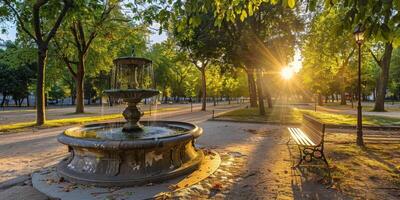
[{"x": 132, "y": 152}]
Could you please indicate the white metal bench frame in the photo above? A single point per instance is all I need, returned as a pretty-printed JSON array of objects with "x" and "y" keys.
[{"x": 309, "y": 139}]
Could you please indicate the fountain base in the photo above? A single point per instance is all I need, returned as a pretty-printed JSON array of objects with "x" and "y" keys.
[{"x": 129, "y": 162}]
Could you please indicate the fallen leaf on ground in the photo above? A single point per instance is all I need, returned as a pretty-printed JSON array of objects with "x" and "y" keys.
[
  {"x": 251, "y": 131},
  {"x": 217, "y": 186},
  {"x": 173, "y": 187}
]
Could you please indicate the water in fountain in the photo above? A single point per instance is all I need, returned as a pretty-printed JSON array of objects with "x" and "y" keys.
[{"x": 115, "y": 132}]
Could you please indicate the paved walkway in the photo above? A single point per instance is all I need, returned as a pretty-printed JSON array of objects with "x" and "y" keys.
[
  {"x": 27, "y": 115},
  {"x": 256, "y": 161}
]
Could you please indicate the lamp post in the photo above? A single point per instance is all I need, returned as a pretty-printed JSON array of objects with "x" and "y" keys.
[{"x": 359, "y": 36}]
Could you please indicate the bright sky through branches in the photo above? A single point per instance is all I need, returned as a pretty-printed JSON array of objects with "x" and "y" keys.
[
  {"x": 293, "y": 67},
  {"x": 10, "y": 33},
  {"x": 296, "y": 64},
  {"x": 287, "y": 73}
]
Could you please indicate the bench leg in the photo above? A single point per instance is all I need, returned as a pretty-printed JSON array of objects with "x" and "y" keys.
[
  {"x": 327, "y": 165},
  {"x": 287, "y": 143},
  {"x": 324, "y": 159},
  {"x": 301, "y": 158}
]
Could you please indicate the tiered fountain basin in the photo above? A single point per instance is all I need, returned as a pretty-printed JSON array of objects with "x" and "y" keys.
[
  {"x": 104, "y": 155},
  {"x": 131, "y": 94}
]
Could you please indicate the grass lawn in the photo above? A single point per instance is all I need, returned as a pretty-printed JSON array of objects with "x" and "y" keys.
[
  {"x": 368, "y": 108},
  {"x": 68, "y": 121},
  {"x": 372, "y": 172},
  {"x": 275, "y": 115},
  {"x": 294, "y": 115}
]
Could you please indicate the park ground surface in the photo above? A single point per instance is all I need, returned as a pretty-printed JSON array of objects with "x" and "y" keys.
[{"x": 256, "y": 162}]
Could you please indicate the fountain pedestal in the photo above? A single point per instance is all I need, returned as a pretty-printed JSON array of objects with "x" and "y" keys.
[{"x": 132, "y": 115}]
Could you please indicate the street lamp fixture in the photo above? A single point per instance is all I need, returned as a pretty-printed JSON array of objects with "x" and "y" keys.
[{"x": 359, "y": 37}]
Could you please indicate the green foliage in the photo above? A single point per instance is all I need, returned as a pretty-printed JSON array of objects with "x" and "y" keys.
[
  {"x": 326, "y": 62},
  {"x": 394, "y": 83},
  {"x": 57, "y": 92},
  {"x": 175, "y": 75},
  {"x": 17, "y": 71}
]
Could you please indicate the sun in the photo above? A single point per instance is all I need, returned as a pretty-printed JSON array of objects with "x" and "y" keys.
[{"x": 287, "y": 73}]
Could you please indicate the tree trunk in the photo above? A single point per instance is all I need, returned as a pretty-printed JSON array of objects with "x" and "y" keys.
[
  {"x": 260, "y": 94},
  {"x": 80, "y": 87},
  {"x": 269, "y": 98},
  {"x": 252, "y": 88},
  {"x": 3, "y": 100},
  {"x": 203, "y": 89},
  {"x": 40, "y": 97},
  {"x": 374, "y": 94},
  {"x": 343, "y": 98},
  {"x": 383, "y": 78},
  {"x": 89, "y": 98},
  {"x": 320, "y": 101},
  {"x": 27, "y": 101}
]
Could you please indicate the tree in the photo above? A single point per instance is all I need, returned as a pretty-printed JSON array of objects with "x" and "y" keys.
[
  {"x": 198, "y": 41},
  {"x": 19, "y": 71},
  {"x": 379, "y": 19},
  {"x": 394, "y": 85},
  {"x": 214, "y": 82},
  {"x": 7, "y": 81},
  {"x": 230, "y": 85},
  {"x": 262, "y": 41},
  {"x": 86, "y": 22},
  {"x": 332, "y": 58},
  {"x": 33, "y": 17},
  {"x": 57, "y": 92},
  {"x": 174, "y": 73}
]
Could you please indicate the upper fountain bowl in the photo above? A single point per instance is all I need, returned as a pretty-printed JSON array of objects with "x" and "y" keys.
[
  {"x": 132, "y": 93},
  {"x": 130, "y": 60}
]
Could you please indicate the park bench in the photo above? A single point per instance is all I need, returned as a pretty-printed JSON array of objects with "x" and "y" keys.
[{"x": 310, "y": 140}]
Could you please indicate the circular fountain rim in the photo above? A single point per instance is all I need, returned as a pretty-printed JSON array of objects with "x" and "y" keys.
[
  {"x": 131, "y": 60},
  {"x": 193, "y": 131},
  {"x": 132, "y": 90}
]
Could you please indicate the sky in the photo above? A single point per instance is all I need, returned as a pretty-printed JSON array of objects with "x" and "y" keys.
[{"x": 11, "y": 34}]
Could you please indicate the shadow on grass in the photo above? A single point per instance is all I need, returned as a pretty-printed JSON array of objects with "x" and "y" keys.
[{"x": 74, "y": 113}]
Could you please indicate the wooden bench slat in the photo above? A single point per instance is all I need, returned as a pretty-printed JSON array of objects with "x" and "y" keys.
[
  {"x": 315, "y": 137},
  {"x": 296, "y": 137},
  {"x": 300, "y": 137},
  {"x": 306, "y": 138},
  {"x": 293, "y": 135}
]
